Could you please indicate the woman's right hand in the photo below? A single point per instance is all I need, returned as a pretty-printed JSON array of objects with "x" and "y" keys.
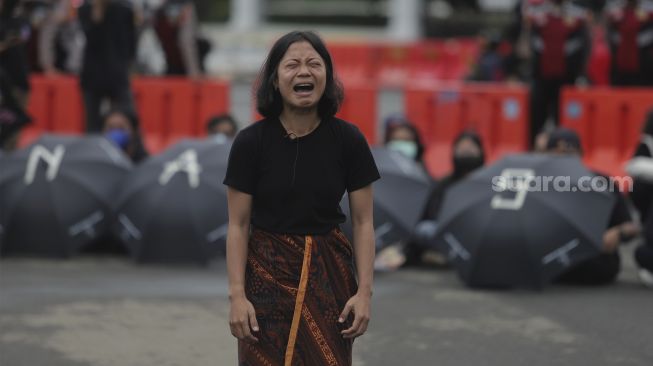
[{"x": 242, "y": 319}]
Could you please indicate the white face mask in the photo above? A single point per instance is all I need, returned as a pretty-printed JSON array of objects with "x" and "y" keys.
[
  {"x": 219, "y": 138},
  {"x": 407, "y": 148}
]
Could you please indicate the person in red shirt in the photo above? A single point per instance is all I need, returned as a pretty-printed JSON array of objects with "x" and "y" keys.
[
  {"x": 175, "y": 23},
  {"x": 560, "y": 45},
  {"x": 630, "y": 35}
]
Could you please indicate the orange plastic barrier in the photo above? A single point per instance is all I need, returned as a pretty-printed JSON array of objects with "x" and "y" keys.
[
  {"x": 448, "y": 59},
  {"x": 173, "y": 108},
  {"x": 395, "y": 64},
  {"x": 55, "y": 104},
  {"x": 609, "y": 122},
  {"x": 353, "y": 61},
  {"x": 360, "y": 108},
  {"x": 168, "y": 108},
  {"x": 499, "y": 114}
]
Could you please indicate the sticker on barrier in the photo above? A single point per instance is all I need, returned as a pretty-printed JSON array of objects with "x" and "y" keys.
[
  {"x": 574, "y": 109},
  {"x": 511, "y": 109}
]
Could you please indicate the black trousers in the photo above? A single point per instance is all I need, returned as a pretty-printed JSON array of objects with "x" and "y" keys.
[
  {"x": 545, "y": 103},
  {"x": 600, "y": 270},
  {"x": 644, "y": 257}
]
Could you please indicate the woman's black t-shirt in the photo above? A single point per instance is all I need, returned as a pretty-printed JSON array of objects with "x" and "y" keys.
[{"x": 297, "y": 184}]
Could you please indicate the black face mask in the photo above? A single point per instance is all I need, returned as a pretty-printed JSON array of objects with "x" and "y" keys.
[{"x": 462, "y": 165}]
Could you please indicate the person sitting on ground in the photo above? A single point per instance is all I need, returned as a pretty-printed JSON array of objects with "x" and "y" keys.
[
  {"x": 222, "y": 127},
  {"x": 400, "y": 136},
  {"x": 468, "y": 155},
  {"x": 121, "y": 127},
  {"x": 640, "y": 168},
  {"x": 605, "y": 267}
]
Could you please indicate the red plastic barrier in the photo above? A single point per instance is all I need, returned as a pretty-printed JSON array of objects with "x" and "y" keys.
[
  {"x": 395, "y": 64},
  {"x": 449, "y": 59},
  {"x": 173, "y": 108},
  {"x": 392, "y": 64},
  {"x": 359, "y": 108},
  {"x": 55, "y": 104},
  {"x": 499, "y": 114},
  {"x": 168, "y": 108},
  {"x": 353, "y": 61},
  {"x": 609, "y": 122}
]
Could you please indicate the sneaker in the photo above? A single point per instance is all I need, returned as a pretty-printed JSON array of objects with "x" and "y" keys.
[{"x": 646, "y": 277}]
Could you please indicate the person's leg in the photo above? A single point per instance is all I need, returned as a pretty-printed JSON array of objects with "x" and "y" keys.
[
  {"x": 601, "y": 270},
  {"x": 124, "y": 99},
  {"x": 555, "y": 89},
  {"x": 92, "y": 104},
  {"x": 538, "y": 109}
]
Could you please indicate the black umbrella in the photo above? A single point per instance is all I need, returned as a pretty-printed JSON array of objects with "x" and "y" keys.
[
  {"x": 523, "y": 237},
  {"x": 55, "y": 194},
  {"x": 173, "y": 208},
  {"x": 399, "y": 197}
]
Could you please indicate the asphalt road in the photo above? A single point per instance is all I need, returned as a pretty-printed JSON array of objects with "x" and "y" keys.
[{"x": 105, "y": 311}]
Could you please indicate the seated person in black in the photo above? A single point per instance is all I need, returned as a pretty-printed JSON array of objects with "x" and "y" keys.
[
  {"x": 604, "y": 268},
  {"x": 640, "y": 168},
  {"x": 467, "y": 155}
]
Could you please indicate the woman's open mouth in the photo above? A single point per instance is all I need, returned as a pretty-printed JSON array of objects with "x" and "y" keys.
[{"x": 304, "y": 88}]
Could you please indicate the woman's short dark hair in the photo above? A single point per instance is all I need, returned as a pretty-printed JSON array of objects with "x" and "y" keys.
[{"x": 269, "y": 102}]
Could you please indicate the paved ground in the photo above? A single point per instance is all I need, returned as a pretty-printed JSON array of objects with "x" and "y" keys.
[{"x": 108, "y": 312}]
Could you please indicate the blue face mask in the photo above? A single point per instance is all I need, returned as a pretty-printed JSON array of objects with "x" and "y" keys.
[
  {"x": 118, "y": 136},
  {"x": 407, "y": 148}
]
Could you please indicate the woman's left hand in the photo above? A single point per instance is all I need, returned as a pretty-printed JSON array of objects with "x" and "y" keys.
[{"x": 359, "y": 304}]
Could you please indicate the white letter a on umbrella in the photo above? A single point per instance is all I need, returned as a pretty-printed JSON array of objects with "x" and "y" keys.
[{"x": 186, "y": 162}]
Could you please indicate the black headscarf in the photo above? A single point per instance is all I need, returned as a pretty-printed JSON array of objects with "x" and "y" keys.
[{"x": 462, "y": 165}]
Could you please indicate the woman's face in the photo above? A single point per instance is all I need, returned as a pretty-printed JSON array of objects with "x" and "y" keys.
[
  {"x": 118, "y": 129},
  {"x": 467, "y": 147},
  {"x": 118, "y": 121},
  {"x": 301, "y": 77}
]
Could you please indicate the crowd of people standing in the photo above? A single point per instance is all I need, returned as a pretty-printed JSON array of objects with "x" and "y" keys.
[{"x": 96, "y": 40}]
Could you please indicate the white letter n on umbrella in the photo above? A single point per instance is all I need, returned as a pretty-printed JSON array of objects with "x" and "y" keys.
[
  {"x": 186, "y": 162},
  {"x": 53, "y": 159}
]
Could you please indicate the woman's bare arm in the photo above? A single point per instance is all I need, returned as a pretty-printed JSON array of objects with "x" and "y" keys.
[
  {"x": 242, "y": 319},
  {"x": 360, "y": 203}
]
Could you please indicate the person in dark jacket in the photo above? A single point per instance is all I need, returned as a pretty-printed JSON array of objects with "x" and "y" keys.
[
  {"x": 14, "y": 34},
  {"x": 640, "y": 168},
  {"x": 468, "y": 155},
  {"x": 12, "y": 115},
  {"x": 604, "y": 268},
  {"x": 120, "y": 126},
  {"x": 109, "y": 26}
]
